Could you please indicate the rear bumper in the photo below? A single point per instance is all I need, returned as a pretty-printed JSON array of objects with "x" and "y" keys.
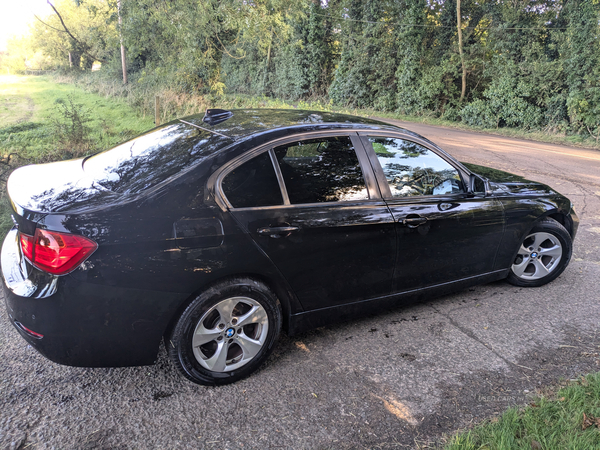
[{"x": 83, "y": 324}]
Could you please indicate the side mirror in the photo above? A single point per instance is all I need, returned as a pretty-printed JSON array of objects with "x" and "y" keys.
[
  {"x": 478, "y": 185},
  {"x": 471, "y": 186}
]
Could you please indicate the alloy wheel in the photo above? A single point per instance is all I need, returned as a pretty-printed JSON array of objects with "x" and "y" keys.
[
  {"x": 230, "y": 334},
  {"x": 538, "y": 256}
]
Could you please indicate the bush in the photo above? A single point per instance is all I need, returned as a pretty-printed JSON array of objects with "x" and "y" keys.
[
  {"x": 70, "y": 128},
  {"x": 479, "y": 114}
]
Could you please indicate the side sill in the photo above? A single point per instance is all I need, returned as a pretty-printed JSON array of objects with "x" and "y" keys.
[{"x": 325, "y": 316}]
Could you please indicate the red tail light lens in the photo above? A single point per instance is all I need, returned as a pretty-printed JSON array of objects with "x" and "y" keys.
[
  {"x": 56, "y": 253},
  {"x": 26, "y": 245}
]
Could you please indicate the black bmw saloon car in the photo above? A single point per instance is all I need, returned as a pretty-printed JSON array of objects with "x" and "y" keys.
[{"x": 216, "y": 232}]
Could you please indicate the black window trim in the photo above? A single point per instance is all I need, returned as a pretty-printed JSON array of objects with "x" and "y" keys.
[
  {"x": 373, "y": 187},
  {"x": 280, "y": 179},
  {"x": 379, "y": 174}
]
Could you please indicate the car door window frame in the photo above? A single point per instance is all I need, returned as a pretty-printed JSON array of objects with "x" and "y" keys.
[
  {"x": 380, "y": 175},
  {"x": 371, "y": 183}
]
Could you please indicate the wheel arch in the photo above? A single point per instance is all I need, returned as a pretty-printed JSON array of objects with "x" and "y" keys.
[
  {"x": 552, "y": 214},
  {"x": 564, "y": 219},
  {"x": 284, "y": 295}
]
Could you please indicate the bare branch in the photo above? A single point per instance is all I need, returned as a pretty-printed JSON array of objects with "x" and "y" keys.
[
  {"x": 83, "y": 46},
  {"x": 224, "y": 50},
  {"x": 49, "y": 26},
  {"x": 592, "y": 134}
]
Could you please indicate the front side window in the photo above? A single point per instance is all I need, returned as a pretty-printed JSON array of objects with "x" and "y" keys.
[
  {"x": 321, "y": 170},
  {"x": 413, "y": 170},
  {"x": 254, "y": 183}
]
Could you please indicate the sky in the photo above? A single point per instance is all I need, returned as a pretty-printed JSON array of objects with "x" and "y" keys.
[{"x": 15, "y": 16}]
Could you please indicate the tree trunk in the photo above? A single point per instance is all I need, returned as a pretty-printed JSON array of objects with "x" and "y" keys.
[
  {"x": 268, "y": 64},
  {"x": 460, "y": 51},
  {"x": 123, "y": 60}
]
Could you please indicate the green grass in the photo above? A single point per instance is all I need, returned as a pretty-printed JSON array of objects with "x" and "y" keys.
[
  {"x": 29, "y": 104},
  {"x": 29, "y": 111},
  {"x": 549, "y": 422}
]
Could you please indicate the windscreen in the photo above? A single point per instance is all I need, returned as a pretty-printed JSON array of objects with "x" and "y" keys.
[{"x": 151, "y": 158}]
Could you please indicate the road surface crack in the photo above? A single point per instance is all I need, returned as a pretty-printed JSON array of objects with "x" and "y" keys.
[{"x": 467, "y": 332}]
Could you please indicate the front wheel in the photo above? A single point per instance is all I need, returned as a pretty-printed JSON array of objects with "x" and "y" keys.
[
  {"x": 543, "y": 255},
  {"x": 226, "y": 333}
]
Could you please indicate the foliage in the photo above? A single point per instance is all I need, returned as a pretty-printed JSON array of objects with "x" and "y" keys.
[
  {"x": 365, "y": 75},
  {"x": 582, "y": 66},
  {"x": 13, "y": 60},
  {"x": 531, "y": 64},
  {"x": 92, "y": 22},
  {"x": 20, "y": 57},
  {"x": 70, "y": 125}
]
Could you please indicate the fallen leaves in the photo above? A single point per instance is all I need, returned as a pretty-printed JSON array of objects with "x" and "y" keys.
[{"x": 590, "y": 421}]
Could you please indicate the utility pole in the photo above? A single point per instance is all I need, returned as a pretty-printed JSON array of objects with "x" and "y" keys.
[
  {"x": 123, "y": 60},
  {"x": 460, "y": 51}
]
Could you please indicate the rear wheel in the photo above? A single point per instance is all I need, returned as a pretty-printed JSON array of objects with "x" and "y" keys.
[
  {"x": 226, "y": 333},
  {"x": 543, "y": 255}
]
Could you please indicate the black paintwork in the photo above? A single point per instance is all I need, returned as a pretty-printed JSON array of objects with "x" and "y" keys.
[{"x": 165, "y": 233}]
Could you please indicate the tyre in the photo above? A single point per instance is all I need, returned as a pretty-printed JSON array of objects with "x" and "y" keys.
[
  {"x": 226, "y": 333},
  {"x": 542, "y": 256}
]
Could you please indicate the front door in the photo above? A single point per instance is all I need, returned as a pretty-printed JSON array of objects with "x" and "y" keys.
[
  {"x": 328, "y": 231},
  {"x": 444, "y": 235}
]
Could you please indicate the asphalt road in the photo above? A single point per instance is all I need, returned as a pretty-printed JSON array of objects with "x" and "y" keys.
[{"x": 396, "y": 380}]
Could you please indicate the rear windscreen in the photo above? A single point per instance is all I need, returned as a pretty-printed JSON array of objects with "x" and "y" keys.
[{"x": 151, "y": 158}]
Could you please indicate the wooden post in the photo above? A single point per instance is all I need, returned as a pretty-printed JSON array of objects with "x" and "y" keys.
[{"x": 156, "y": 110}]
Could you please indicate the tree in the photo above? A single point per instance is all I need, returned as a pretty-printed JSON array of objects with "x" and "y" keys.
[
  {"x": 84, "y": 30},
  {"x": 581, "y": 55}
]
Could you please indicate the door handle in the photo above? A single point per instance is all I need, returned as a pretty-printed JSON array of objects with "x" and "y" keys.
[
  {"x": 276, "y": 232},
  {"x": 414, "y": 222}
]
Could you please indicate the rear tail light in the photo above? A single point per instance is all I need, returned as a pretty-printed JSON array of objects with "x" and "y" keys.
[{"x": 56, "y": 253}]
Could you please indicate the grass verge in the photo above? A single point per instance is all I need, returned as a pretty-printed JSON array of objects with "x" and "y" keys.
[
  {"x": 30, "y": 108},
  {"x": 567, "y": 419},
  {"x": 34, "y": 129}
]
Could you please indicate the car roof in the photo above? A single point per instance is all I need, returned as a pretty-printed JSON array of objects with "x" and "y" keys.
[{"x": 248, "y": 122}]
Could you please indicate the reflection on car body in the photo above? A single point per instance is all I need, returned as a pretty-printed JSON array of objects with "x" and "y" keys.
[{"x": 217, "y": 232}]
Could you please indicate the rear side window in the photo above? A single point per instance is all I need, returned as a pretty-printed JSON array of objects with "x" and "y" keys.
[
  {"x": 254, "y": 183},
  {"x": 321, "y": 170}
]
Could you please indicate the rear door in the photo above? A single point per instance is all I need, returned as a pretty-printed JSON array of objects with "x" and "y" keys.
[
  {"x": 312, "y": 204},
  {"x": 444, "y": 234}
]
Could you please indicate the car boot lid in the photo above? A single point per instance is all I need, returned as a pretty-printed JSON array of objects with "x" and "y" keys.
[{"x": 53, "y": 187}]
